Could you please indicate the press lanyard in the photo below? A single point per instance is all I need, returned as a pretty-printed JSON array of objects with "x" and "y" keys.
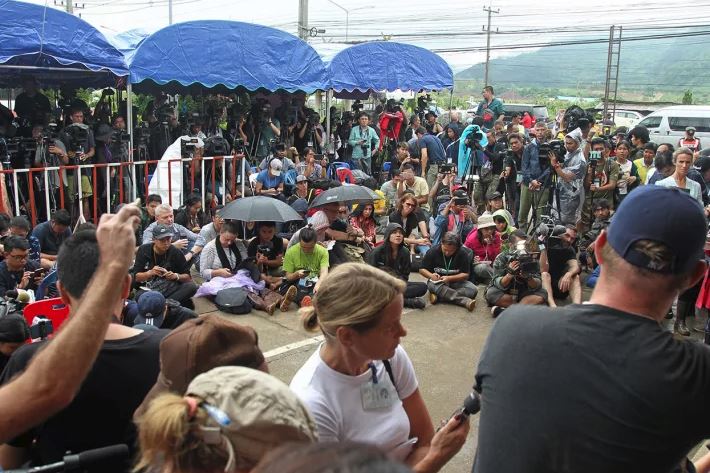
[
  {"x": 448, "y": 265},
  {"x": 371, "y": 365}
]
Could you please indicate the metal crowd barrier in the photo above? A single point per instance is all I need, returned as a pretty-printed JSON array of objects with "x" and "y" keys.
[{"x": 13, "y": 198}]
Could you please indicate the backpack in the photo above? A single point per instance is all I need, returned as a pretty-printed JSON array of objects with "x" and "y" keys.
[{"x": 233, "y": 300}]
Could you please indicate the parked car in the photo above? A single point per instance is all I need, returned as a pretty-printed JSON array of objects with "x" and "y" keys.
[
  {"x": 627, "y": 118},
  {"x": 668, "y": 124},
  {"x": 538, "y": 111}
]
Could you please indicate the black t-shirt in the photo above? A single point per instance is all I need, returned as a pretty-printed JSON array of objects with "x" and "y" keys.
[
  {"x": 276, "y": 244},
  {"x": 101, "y": 413},
  {"x": 587, "y": 388},
  {"x": 173, "y": 260},
  {"x": 495, "y": 153},
  {"x": 435, "y": 262},
  {"x": 32, "y": 108},
  {"x": 49, "y": 242},
  {"x": 10, "y": 279},
  {"x": 516, "y": 164},
  {"x": 557, "y": 258},
  {"x": 412, "y": 222}
]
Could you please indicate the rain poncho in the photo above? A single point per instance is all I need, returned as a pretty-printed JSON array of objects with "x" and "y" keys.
[{"x": 572, "y": 192}]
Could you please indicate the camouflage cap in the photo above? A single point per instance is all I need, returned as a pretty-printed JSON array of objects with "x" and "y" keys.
[{"x": 263, "y": 412}]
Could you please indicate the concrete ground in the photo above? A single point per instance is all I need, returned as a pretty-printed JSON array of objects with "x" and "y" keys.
[{"x": 443, "y": 341}]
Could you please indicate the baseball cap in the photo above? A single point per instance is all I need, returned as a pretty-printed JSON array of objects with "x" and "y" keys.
[
  {"x": 690, "y": 128},
  {"x": 162, "y": 231},
  {"x": 197, "y": 346},
  {"x": 276, "y": 167},
  {"x": 263, "y": 412},
  {"x": 151, "y": 309},
  {"x": 301, "y": 178},
  {"x": 495, "y": 195},
  {"x": 682, "y": 228}
]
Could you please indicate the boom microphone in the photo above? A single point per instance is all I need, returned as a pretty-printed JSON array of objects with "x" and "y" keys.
[{"x": 81, "y": 460}]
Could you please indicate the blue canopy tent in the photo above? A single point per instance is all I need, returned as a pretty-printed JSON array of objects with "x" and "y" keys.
[
  {"x": 55, "y": 46},
  {"x": 386, "y": 65},
  {"x": 230, "y": 54}
]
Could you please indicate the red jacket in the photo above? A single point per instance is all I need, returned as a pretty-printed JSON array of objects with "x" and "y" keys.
[{"x": 484, "y": 252}]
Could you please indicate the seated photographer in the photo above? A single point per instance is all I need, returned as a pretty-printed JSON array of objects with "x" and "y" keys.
[
  {"x": 485, "y": 243},
  {"x": 410, "y": 218},
  {"x": 516, "y": 278},
  {"x": 310, "y": 168},
  {"x": 602, "y": 215},
  {"x": 16, "y": 270},
  {"x": 160, "y": 266},
  {"x": 20, "y": 227},
  {"x": 417, "y": 185},
  {"x": 153, "y": 310},
  {"x": 268, "y": 250},
  {"x": 191, "y": 215},
  {"x": 599, "y": 182},
  {"x": 455, "y": 215},
  {"x": 270, "y": 182},
  {"x": 447, "y": 267},
  {"x": 51, "y": 235},
  {"x": 389, "y": 189},
  {"x": 183, "y": 239},
  {"x": 504, "y": 227},
  {"x": 393, "y": 257},
  {"x": 363, "y": 219},
  {"x": 560, "y": 268},
  {"x": 306, "y": 264}
]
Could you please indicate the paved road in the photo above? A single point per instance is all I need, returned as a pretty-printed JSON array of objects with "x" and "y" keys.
[{"x": 443, "y": 341}]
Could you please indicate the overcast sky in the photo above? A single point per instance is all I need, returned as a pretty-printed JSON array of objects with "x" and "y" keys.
[{"x": 431, "y": 24}]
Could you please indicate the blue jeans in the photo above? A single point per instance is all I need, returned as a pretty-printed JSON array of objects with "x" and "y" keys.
[{"x": 422, "y": 249}]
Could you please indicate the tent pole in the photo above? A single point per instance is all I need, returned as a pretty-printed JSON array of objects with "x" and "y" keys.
[
  {"x": 129, "y": 125},
  {"x": 328, "y": 96}
]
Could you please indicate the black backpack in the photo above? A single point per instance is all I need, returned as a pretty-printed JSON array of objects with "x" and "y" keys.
[{"x": 234, "y": 300}]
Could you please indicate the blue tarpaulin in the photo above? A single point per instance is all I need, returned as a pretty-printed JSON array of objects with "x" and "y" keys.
[
  {"x": 386, "y": 65},
  {"x": 36, "y": 36},
  {"x": 228, "y": 53}
]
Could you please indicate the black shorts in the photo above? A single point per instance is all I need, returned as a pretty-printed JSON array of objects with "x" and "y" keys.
[{"x": 556, "y": 293}]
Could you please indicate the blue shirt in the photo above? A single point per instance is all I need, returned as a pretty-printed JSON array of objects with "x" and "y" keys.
[
  {"x": 49, "y": 241},
  {"x": 268, "y": 181},
  {"x": 530, "y": 168},
  {"x": 435, "y": 150}
]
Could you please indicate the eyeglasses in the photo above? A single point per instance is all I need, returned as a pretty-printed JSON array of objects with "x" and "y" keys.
[{"x": 18, "y": 257}]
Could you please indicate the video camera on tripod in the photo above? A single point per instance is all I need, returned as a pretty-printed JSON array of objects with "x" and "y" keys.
[
  {"x": 556, "y": 147},
  {"x": 357, "y": 107},
  {"x": 422, "y": 104},
  {"x": 78, "y": 137}
]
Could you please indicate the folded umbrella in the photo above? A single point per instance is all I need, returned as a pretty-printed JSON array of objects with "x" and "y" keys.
[{"x": 259, "y": 209}]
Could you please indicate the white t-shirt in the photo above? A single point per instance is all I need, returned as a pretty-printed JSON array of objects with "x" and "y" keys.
[{"x": 334, "y": 400}]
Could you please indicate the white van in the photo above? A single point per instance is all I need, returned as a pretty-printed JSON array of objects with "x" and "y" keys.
[{"x": 667, "y": 125}]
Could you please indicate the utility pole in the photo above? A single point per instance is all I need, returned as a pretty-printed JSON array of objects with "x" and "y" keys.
[
  {"x": 488, "y": 40},
  {"x": 170, "y": 12},
  {"x": 303, "y": 20},
  {"x": 70, "y": 7}
]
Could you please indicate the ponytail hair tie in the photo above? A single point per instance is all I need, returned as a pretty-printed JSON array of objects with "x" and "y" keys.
[{"x": 191, "y": 406}]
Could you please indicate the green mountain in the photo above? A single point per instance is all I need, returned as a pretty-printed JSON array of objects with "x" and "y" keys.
[{"x": 648, "y": 68}]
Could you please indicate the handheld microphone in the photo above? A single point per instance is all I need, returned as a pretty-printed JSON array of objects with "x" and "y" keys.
[
  {"x": 471, "y": 405},
  {"x": 18, "y": 295},
  {"x": 81, "y": 460}
]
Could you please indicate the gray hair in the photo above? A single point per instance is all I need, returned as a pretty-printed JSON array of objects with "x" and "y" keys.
[{"x": 163, "y": 208}]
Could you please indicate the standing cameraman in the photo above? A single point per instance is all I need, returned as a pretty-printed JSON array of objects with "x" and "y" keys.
[
  {"x": 50, "y": 152},
  {"x": 510, "y": 284},
  {"x": 511, "y": 174},
  {"x": 535, "y": 169},
  {"x": 570, "y": 175},
  {"x": 363, "y": 139},
  {"x": 600, "y": 180},
  {"x": 491, "y": 169},
  {"x": 79, "y": 141},
  {"x": 310, "y": 133},
  {"x": 266, "y": 129}
]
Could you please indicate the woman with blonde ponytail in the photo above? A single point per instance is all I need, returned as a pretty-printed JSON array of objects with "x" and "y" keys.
[
  {"x": 229, "y": 419},
  {"x": 360, "y": 384}
]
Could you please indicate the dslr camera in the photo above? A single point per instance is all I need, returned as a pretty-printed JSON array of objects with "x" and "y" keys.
[
  {"x": 473, "y": 139},
  {"x": 446, "y": 168},
  {"x": 265, "y": 250},
  {"x": 529, "y": 261}
]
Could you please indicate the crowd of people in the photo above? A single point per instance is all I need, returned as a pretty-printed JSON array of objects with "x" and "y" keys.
[{"x": 523, "y": 213}]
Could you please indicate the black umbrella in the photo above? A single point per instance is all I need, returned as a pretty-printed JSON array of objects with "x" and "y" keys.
[
  {"x": 259, "y": 209},
  {"x": 345, "y": 193}
]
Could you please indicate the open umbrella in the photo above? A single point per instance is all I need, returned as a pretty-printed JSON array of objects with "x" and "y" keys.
[
  {"x": 345, "y": 193},
  {"x": 259, "y": 209}
]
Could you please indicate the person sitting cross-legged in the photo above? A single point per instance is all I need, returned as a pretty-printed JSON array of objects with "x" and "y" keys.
[
  {"x": 305, "y": 263},
  {"x": 160, "y": 266},
  {"x": 514, "y": 282},
  {"x": 447, "y": 268}
]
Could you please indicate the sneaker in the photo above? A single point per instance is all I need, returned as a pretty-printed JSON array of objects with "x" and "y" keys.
[
  {"x": 306, "y": 301},
  {"x": 432, "y": 298},
  {"x": 288, "y": 298},
  {"x": 496, "y": 311},
  {"x": 417, "y": 303},
  {"x": 470, "y": 305}
]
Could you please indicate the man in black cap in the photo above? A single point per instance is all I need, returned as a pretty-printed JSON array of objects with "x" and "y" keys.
[
  {"x": 603, "y": 386},
  {"x": 153, "y": 310},
  {"x": 432, "y": 126},
  {"x": 161, "y": 267}
]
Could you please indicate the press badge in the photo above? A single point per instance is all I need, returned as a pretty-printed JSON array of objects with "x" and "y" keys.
[{"x": 377, "y": 394}]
